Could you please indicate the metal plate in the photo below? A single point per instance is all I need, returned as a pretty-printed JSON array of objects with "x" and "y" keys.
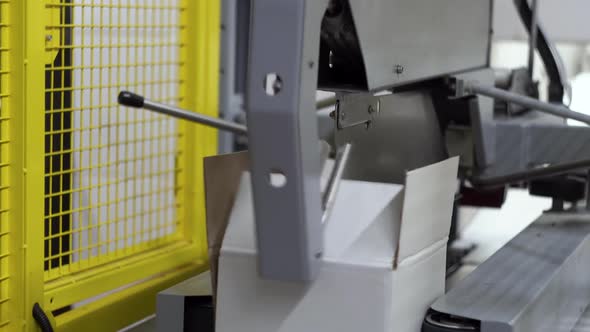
[
  {"x": 389, "y": 148},
  {"x": 404, "y": 41},
  {"x": 283, "y": 136}
]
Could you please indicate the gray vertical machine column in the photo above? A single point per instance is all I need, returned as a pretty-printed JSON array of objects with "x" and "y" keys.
[
  {"x": 282, "y": 82},
  {"x": 235, "y": 20},
  {"x": 226, "y": 71}
]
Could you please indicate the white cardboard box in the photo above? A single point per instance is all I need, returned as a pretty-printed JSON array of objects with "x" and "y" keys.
[{"x": 384, "y": 261}]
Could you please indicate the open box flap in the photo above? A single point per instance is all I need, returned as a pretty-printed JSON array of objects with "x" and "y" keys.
[
  {"x": 222, "y": 178},
  {"x": 377, "y": 243},
  {"x": 363, "y": 209},
  {"x": 427, "y": 207}
]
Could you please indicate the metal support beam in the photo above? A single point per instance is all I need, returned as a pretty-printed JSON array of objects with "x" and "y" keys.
[
  {"x": 532, "y": 174},
  {"x": 533, "y": 283},
  {"x": 281, "y": 89}
]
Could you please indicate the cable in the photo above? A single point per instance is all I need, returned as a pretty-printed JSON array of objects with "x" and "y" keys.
[
  {"x": 558, "y": 82},
  {"x": 41, "y": 318}
]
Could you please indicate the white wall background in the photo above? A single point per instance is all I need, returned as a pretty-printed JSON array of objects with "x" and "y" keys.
[
  {"x": 566, "y": 23},
  {"x": 565, "y": 19}
]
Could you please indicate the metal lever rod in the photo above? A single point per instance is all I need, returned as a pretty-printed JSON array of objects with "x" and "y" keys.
[
  {"x": 134, "y": 100},
  {"x": 321, "y": 104},
  {"x": 534, "y": 104},
  {"x": 130, "y": 99},
  {"x": 329, "y": 195}
]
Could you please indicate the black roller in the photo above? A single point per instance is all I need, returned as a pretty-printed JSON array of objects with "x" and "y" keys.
[{"x": 439, "y": 322}]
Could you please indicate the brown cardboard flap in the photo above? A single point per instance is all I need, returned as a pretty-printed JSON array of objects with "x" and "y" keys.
[{"x": 222, "y": 178}]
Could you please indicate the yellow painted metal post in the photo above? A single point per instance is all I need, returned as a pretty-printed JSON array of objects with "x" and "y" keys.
[
  {"x": 22, "y": 102},
  {"x": 203, "y": 19},
  {"x": 31, "y": 101},
  {"x": 12, "y": 315}
]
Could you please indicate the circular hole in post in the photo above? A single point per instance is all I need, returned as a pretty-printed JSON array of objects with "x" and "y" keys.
[
  {"x": 273, "y": 84},
  {"x": 277, "y": 179}
]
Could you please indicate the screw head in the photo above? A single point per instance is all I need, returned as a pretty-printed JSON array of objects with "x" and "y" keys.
[{"x": 48, "y": 38}]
